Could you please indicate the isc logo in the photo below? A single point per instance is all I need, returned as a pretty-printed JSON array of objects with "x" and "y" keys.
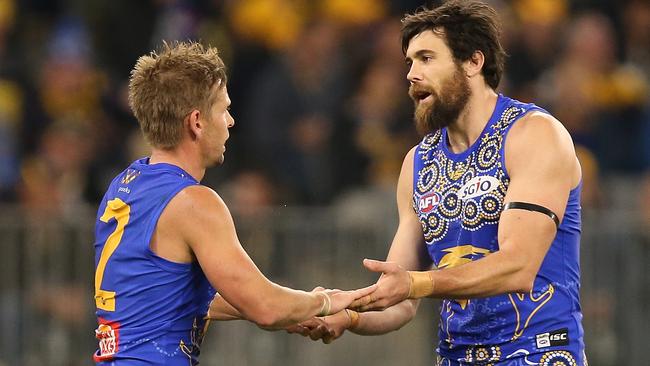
[
  {"x": 428, "y": 202},
  {"x": 558, "y": 337},
  {"x": 555, "y": 338},
  {"x": 478, "y": 186}
]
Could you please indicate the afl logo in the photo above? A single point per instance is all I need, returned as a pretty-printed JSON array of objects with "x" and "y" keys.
[
  {"x": 478, "y": 186},
  {"x": 428, "y": 202}
]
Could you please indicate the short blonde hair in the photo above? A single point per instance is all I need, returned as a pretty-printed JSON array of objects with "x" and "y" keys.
[{"x": 165, "y": 86}]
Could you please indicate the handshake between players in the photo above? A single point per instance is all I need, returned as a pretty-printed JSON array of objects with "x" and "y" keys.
[{"x": 393, "y": 287}]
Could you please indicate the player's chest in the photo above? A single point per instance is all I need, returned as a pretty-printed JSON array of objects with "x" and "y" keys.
[{"x": 452, "y": 196}]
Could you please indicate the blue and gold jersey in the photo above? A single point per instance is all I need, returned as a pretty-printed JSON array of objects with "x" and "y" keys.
[
  {"x": 458, "y": 199},
  {"x": 150, "y": 311}
]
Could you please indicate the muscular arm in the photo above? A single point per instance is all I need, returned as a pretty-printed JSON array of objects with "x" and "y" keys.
[
  {"x": 543, "y": 168},
  {"x": 408, "y": 251},
  {"x": 220, "y": 309},
  {"x": 198, "y": 219},
  {"x": 388, "y": 320}
]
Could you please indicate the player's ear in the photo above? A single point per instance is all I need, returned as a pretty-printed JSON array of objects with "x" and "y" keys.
[
  {"x": 474, "y": 64},
  {"x": 194, "y": 124}
]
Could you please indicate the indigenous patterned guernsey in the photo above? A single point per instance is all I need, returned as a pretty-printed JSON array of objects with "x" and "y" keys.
[
  {"x": 150, "y": 311},
  {"x": 459, "y": 198}
]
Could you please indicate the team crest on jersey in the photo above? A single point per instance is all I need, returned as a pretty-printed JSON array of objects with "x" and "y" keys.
[
  {"x": 478, "y": 186},
  {"x": 130, "y": 175},
  {"x": 108, "y": 335}
]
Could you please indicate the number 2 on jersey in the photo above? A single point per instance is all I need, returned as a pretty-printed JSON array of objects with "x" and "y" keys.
[{"x": 120, "y": 211}]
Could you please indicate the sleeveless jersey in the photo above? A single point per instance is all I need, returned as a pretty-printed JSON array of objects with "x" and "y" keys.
[
  {"x": 150, "y": 311},
  {"x": 458, "y": 199}
]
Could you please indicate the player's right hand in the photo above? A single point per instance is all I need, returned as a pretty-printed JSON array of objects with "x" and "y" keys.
[
  {"x": 340, "y": 300},
  {"x": 392, "y": 287}
]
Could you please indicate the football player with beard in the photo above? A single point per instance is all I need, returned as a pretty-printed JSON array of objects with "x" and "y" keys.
[{"x": 489, "y": 213}]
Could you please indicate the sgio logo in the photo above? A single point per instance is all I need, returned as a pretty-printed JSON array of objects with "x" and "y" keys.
[
  {"x": 478, "y": 186},
  {"x": 428, "y": 202}
]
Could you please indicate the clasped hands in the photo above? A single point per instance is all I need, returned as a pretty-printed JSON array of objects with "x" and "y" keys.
[{"x": 393, "y": 286}]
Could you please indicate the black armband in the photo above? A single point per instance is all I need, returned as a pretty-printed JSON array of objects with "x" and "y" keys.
[{"x": 533, "y": 207}]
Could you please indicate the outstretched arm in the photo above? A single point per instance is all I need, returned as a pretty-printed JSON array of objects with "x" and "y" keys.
[
  {"x": 220, "y": 309},
  {"x": 211, "y": 237},
  {"x": 407, "y": 251},
  {"x": 333, "y": 326}
]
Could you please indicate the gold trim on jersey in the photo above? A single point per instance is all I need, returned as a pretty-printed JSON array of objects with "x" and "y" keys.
[{"x": 544, "y": 297}]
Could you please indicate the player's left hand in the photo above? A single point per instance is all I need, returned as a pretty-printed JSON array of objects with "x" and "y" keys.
[
  {"x": 334, "y": 326},
  {"x": 392, "y": 287},
  {"x": 306, "y": 327},
  {"x": 327, "y": 328}
]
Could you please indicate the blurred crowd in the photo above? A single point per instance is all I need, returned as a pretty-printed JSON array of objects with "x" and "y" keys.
[{"x": 319, "y": 93}]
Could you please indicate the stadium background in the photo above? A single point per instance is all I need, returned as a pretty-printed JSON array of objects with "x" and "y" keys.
[{"x": 322, "y": 124}]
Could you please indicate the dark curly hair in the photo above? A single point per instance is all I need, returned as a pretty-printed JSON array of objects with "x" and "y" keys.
[{"x": 467, "y": 26}]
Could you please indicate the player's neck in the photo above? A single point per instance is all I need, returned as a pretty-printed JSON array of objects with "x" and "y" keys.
[
  {"x": 472, "y": 120},
  {"x": 181, "y": 159}
]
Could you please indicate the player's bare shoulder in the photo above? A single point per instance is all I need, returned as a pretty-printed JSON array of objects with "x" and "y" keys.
[
  {"x": 198, "y": 203},
  {"x": 406, "y": 174},
  {"x": 407, "y": 164},
  {"x": 194, "y": 209},
  {"x": 199, "y": 195},
  {"x": 538, "y": 129},
  {"x": 540, "y": 138}
]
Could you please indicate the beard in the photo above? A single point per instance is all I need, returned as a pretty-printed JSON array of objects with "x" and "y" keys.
[{"x": 445, "y": 107}]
